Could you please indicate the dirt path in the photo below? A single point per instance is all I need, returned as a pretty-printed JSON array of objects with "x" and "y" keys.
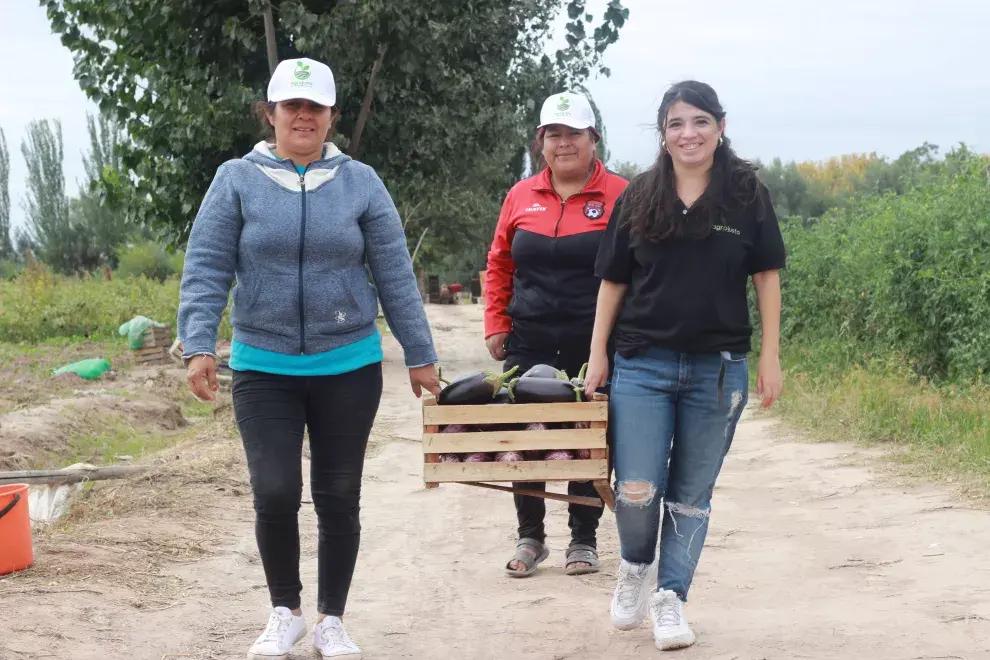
[{"x": 811, "y": 554}]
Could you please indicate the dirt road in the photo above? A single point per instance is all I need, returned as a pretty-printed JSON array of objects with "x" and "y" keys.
[{"x": 812, "y": 553}]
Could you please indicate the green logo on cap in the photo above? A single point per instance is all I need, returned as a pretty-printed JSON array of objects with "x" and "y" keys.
[
  {"x": 302, "y": 71},
  {"x": 563, "y": 104}
]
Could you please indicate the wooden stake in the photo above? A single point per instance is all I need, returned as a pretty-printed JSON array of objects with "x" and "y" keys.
[
  {"x": 70, "y": 476},
  {"x": 545, "y": 494}
]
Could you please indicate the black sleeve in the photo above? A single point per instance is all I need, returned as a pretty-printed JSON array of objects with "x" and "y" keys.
[
  {"x": 615, "y": 258},
  {"x": 768, "y": 251}
]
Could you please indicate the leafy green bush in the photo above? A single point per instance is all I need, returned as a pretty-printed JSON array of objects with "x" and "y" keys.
[
  {"x": 901, "y": 275},
  {"x": 9, "y": 269},
  {"x": 39, "y": 305},
  {"x": 146, "y": 259}
]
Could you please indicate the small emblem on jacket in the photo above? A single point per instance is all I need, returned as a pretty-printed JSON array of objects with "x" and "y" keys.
[
  {"x": 594, "y": 210},
  {"x": 341, "y": 317}
]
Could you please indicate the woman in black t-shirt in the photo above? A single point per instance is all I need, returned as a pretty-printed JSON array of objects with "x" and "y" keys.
[{"x": 682, "y": 242}]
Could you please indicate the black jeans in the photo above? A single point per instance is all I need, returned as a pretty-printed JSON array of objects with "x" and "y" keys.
[
  {"x": 339, "y": 411},
  {"x": 525, "y": 347}
]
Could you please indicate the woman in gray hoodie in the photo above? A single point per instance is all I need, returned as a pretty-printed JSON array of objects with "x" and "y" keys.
[{"x": 294, "y": 222}]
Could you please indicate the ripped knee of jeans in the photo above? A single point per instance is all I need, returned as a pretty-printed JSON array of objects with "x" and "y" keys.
[
  {"x": 636, "y": 493},
  {"x": 676, "y": 508}
]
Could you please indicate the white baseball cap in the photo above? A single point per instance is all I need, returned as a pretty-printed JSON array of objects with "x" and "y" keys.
[
  {"x": 568, "y": 109},
  {"x": 302, "y": 78}
]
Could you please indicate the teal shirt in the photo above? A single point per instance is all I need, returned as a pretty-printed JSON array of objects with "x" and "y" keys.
[{"x": 337, "y": 361}]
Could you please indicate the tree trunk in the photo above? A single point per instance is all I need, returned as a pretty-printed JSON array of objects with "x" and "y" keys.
[{"x": 369, "y": 94}]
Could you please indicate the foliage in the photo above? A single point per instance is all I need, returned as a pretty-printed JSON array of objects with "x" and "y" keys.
[
  {"x": 627, "y": 169},
  {"x": 106, "y": 228},
  {"x": 40, "y": 305},
  {"x": 808, "y": 189},
  {"x": 900, "y": 274},
  {"x": 9, "y": 269},
  {"x": 148, "y": 259},
  {"x": 47, "y": 206},
  {"x": 453, "y": 103},
  {"x": 6, "y": 247},
  {"x": 78, "y": 234}
]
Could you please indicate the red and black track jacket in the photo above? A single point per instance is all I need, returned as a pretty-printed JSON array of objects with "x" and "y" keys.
[{"x": 541, "y": 265}]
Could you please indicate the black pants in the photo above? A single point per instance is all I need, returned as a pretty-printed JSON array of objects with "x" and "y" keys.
[
  {"x": 525, "y": 347},
  {"x": 338, "y": 411}
]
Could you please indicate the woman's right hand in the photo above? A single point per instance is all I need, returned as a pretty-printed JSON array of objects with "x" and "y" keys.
[
  {"x": 201, "y": 372},
  {"x": 597, "y": 373},
  {"x": 496, "y": 345}
]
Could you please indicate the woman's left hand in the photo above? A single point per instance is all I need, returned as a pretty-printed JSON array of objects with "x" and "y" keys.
[
  {"x": 769, "y": 381},
  {"x": 424, "y": 377}
]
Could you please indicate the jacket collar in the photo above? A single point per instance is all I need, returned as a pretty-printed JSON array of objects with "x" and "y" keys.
[
  {"x": 596, "y": 183},
  {"x": 263, "y": 153}
]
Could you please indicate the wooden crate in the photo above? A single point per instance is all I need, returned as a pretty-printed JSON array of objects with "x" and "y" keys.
[
  {"x": 595, "y": 469},
  {"x": 152, "y": 355},
  {"x": 155, "y": 346},
  {"x": 157, "y": 337}
]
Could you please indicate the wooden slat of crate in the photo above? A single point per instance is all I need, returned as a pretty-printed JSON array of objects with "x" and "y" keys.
[
  {"x": 155, "y": 337},
  {"x": 487, "y": 441},
  {"x": 581, "y": 470},
  {"x": 516, "y": 413}
]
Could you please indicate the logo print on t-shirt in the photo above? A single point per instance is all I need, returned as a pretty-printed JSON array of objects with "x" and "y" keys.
[{"x": 594, "y": 210}]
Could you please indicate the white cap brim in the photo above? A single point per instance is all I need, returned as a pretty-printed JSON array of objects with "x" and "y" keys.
[
  {"x": 310, "y": 95},
  {"x": 572, "y": 122}
]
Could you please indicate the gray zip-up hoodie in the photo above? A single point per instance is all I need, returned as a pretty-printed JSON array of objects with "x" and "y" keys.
[{"x": 297, "y": 245}]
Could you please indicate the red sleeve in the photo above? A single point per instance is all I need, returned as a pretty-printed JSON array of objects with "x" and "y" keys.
[{"x": 498, "y": 277}]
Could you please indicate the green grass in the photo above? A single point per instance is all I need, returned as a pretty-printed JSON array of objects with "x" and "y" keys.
[
  {"x": 194, "y": 409},
  {"x": 106, "y": 446},
  {"x": 941, "y": 432}
]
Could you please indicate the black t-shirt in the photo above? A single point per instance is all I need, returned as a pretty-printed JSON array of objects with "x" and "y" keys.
[{"x": 689, "y": 294}]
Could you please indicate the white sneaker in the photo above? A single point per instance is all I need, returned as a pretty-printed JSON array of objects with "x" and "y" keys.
[
  {"x": 670, "y": 626},
  {"x": 284, "y": 629},
  {"x": 632, "y": 593},
  {"x": 330, "y": 640}
]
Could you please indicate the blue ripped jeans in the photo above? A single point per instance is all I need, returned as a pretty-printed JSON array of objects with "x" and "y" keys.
[{"x": 672, "y": 417}]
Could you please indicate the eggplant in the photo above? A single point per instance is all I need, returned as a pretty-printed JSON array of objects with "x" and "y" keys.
[
  {"x": 473, "y": 388},
  {"x": 544, "y": 371},
  {"x": 544, "y": 390}
]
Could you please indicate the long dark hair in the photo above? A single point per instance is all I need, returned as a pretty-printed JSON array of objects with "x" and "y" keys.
[{"x": 651, "y": 200}]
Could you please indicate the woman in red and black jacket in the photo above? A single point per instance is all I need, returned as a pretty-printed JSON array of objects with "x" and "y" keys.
[{"x": 541, "y": 290}]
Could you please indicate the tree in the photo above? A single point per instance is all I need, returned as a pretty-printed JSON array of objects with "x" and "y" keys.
[
  {"x": 6, "y": 248},
  {"x": 449, "y": 117},
  {"x": 47, "y": 206},
  {"x": 627, "y": 169},
  {"x": 107, "y": 228}
]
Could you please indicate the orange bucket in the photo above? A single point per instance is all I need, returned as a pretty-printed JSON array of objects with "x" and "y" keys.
[{"x": 16, "y": 552}]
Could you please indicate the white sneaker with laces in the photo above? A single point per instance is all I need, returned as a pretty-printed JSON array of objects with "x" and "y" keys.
[
  {"x": 284, "y": 629},
  {"x": 632, "y": 593},
  {"x": 330, "y": 640},
  {"x": 670, "y": 626}
]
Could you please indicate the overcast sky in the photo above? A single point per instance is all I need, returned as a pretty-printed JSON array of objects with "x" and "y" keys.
[{"x": 800, "y": 79}]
